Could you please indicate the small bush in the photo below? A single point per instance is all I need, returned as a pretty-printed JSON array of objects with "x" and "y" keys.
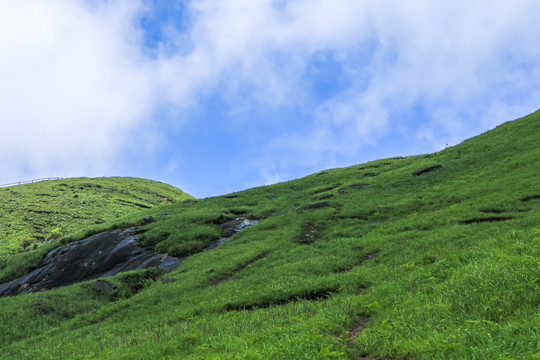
[
  {"x": 153, "y": 237},
  {"x": 186, "y": 249},
  {"x": 132, "y": 282}
]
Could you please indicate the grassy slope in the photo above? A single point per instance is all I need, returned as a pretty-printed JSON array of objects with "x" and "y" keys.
[
  {"x": 443, "y": 265},
  {"x": 34, "y": 216}
]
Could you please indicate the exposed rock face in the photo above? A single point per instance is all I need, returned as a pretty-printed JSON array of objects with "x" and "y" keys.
[
  {"x": 229, "y": 228},
  {"x": 102, "y": 255}
]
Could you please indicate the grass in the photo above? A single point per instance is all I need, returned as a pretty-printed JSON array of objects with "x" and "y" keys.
[
  {"x": 441, "y": 265},
  {"x": 33, "y": 213},
  {"x": 34, "y": 217}
]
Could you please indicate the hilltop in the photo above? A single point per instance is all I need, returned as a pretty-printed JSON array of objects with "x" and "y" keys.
[
  {"x": 420, "y": 257},
  {"x": 33, "y": 213}
]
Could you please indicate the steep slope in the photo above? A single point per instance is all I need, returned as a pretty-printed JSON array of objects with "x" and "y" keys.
[{"x": 422, "y": 257}]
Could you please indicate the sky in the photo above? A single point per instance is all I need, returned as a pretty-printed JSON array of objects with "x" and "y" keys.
[{"x": 216, "y": 96}]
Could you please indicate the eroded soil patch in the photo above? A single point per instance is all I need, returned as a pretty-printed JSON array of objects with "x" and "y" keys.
[
  {"x": 353, "y": 333},
  {"x": 426, "y": 170},
  {"x": 315, "y": 295},
  {"x": 487, "y": 219},
  {"x": 360, "y": 325},
  {"x": 359, "y": 262},
  {"x": 309, "y": 235},
  {"x": 493, "y": 211}
]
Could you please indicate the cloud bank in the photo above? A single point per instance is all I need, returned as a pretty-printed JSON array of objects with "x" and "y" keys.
[
  {"x": 82, "y": 92},
  {"x": 73, "y": 84},
  {"x": 458, "y": 61}
]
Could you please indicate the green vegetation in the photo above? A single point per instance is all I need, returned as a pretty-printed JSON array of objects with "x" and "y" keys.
[
  {"x": 33, "y": 213},
  {"x": 361, "y": 262},
  {"x": 34, "y": 217}
]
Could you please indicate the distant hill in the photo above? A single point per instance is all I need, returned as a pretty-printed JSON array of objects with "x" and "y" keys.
[
  {"x": 433, "y": 256},
  {"x": 33, "y": 213}
]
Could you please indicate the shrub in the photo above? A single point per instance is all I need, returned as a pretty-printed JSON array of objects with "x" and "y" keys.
[{"x": 185, "y": 249}]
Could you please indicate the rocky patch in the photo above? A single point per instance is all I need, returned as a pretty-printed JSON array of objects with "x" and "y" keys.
[
  {"x": 228, "y": 229},
  {"x": 309, "y": 235},
  {"x": 100, "y": 255}
]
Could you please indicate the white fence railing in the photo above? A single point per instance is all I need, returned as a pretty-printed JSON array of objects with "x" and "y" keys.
[{"x": 29, "y": 181}]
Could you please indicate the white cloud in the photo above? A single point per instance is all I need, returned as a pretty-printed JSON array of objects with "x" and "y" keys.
[
  {"x": 73, "y": 84},
  {"x": 76, "y": 84},
  {"x": 460, "y": 59}
]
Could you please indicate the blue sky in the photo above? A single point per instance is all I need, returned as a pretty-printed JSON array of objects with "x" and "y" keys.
[{"x": 215, "y": 96}]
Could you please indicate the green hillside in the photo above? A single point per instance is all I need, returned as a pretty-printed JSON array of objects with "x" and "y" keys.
[
  {"x": 35, "y": 215},
  {"x": 364, "y": 262}
]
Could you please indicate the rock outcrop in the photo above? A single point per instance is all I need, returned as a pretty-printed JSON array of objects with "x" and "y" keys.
[
  {"x": 229, "y": 228},
  {"x": 102, "y": 255}
]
